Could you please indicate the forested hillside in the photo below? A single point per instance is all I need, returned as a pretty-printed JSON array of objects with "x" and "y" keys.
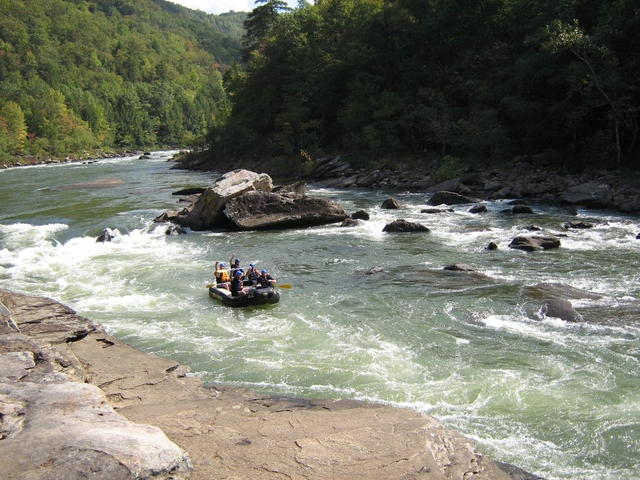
[
  {"x": 449, "y": 79},
  {"x": 80, "y": 75}
]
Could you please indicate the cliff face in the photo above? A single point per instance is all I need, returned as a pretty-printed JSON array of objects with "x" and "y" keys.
[{"x": 75, "y": 401}]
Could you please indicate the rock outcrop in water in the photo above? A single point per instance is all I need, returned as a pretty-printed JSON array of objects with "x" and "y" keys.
[
  {"x": 76, "y": 403},
  {"x": 244, "y": 200},
  {"x": 535, "y": 243},
  {"x": 404, "y": 226}
]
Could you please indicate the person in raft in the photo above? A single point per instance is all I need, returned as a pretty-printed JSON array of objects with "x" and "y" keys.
[
  {"x": 252, "y": 274},
  {"x": 236, "y": 284},
  {"x": 266, "y": 280},
  {"x": 222, "y": 276},
  {"x": 235, "y": 266}
]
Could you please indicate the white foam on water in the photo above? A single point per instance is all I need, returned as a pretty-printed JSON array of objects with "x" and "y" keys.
[
  {"x": 523, "y": 326},
  {"x": 527, "y": 388}
]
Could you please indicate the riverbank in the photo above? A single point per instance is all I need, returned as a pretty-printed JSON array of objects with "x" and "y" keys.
[
  {"x": 29, "y": 160},
  {"x": 212, "y": 432},
  {"x": 528, "y": 177}
]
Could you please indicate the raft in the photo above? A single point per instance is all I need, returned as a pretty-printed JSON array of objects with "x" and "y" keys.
[{"x": 255, "y": 296}]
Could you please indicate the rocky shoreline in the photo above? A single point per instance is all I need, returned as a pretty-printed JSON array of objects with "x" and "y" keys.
[
  {"x": 76, "y": 403},
  {"x": 526, "y": 177}
]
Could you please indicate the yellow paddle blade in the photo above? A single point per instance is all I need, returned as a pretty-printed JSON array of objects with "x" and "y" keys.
[
  {"x": 284, "y": 285},
  {"x": 211, "y": 285}
]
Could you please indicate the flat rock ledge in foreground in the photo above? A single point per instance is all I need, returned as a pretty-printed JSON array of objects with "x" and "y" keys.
[{"x": 77, "y": 403}]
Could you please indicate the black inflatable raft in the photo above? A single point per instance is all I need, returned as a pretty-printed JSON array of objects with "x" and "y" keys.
[{"x": 255, "y": 296}]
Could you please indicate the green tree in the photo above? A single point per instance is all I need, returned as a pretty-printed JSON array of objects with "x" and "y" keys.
[
  {"x": 259, "y": 22},
  {"x": 81, "y": 70},
  {"x": 14, "y": 127},
  {"x": 597, "y": 77}
]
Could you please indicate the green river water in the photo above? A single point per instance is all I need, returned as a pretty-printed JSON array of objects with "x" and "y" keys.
[{"x": 558, "y": 399}]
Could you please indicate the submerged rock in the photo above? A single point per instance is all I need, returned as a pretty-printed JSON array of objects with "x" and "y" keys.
[
  {"x": 478, "y": 209},
  {"x": 106, "y": 236},
  {"x": 577, "y": 224},
  {"x": 350, "y": 222},
  {"x": 521, "y": 210},
  {"x": 450, "y": 198},
  {"x": 437, "y": 210},
  {"x": 459, "y": 267},
  {"x": 374, "y": 271},
  {"x": 561, "y": 308},
  {"x": 559, "y": 290}
]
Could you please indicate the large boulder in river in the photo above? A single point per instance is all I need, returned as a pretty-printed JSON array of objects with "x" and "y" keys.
[
  {"x": 400, "y": 226},
  {"x": 265, "y": 210},
  {"x": 450, "y": 198},
  {"x": 535, "y": 243},
  {"x": 360, "y": 215},
  {"x": 391, "y": 204},
  {"x": 590, "y": 194},
  {"x": 206, "y": 212}
]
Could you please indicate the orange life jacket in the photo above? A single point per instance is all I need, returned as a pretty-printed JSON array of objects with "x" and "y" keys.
[{"x": 222, "y": 275}]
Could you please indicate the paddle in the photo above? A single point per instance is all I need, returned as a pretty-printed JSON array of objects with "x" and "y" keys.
[{"x": 211, "y": 285}]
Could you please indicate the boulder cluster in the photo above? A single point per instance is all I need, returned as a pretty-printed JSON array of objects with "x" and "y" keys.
[
  {"x": 525, "y": 178},
  {"x": 245, "y": 200}
]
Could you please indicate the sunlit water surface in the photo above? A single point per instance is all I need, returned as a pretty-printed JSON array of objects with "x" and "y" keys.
[{"x": 558, "y": 399}]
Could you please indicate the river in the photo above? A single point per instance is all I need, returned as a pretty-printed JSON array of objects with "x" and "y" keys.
[{"x": 558, "y": 399}]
